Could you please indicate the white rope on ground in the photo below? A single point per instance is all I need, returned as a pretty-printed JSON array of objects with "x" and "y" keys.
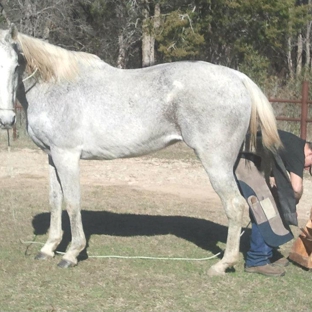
[
  {"x": 149, "y": 258},
  {"x": 131, "y": 257},
  {"x": 140, "y": 257}
]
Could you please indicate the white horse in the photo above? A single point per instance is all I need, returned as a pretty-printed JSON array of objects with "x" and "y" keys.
[
  {"x": 8, "y": 84},
  {"x": 79, "y": 107}
]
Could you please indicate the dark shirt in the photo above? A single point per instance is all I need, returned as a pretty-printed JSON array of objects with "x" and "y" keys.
[{"x": 293, "y": 152}]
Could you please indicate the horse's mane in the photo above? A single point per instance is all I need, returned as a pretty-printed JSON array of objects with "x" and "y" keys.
[{"x": 52, "y": 63}]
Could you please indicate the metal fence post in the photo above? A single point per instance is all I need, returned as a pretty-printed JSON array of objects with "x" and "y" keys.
[
  {"x": 304, "y": 110},
  {"x": 14, "y": 127}
]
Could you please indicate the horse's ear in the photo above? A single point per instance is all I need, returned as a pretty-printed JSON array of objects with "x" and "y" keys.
[{"x": 12, "y": 33}]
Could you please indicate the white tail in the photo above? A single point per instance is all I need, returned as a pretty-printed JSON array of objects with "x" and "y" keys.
[{"x": 261, "y": 114}]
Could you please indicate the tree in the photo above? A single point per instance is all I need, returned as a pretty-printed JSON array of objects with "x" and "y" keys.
[
  {"x": 178, "y": 38},
  {"x": 261, "y": 37},
  {"x": 56, "y": 20},
  {"x": 117, "y": 29},
  {"x": 150, "y": 26}
]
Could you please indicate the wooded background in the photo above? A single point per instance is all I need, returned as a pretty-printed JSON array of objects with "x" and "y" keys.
[{"x": 269, "y": 40}]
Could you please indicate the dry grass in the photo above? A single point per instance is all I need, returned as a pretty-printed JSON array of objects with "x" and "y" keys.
[{"x": 122, "y": 220}]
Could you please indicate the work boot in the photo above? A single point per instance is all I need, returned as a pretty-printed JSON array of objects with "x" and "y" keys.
[
  {"x": 267, "y": 269},
  {"x": 282, "y": 262}
]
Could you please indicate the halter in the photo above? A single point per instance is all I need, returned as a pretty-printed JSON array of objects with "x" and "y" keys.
[
  {"x": 12, "y": 109},
  {"x": 7, "y": 109}
]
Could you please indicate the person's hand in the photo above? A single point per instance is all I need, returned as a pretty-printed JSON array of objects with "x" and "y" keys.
[{"x": 272, "y": 182}]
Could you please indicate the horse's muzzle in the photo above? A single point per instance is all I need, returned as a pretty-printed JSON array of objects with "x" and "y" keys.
[{"x": 7, "y": 119}]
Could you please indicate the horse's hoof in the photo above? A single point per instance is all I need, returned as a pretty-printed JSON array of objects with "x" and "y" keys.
[
  {"x": 215, "y": 272},
  {"x": 64, "y": 264},
  {"x": 42, "y": 256}
]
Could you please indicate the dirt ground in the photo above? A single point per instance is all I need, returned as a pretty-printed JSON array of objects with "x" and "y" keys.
[
  {"x": 183, "y": 178},
  {"x": 160, "y": 205}
]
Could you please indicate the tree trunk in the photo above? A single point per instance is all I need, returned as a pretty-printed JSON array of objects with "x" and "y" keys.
[
  {"x": 308, "y": 45},
  {"x": 148, "y": 36},
  {"x": 289, "y": 59},
  {"x": 121, "y": 60},
  {"x": 148, "y": 41},
  {"x": 26, "y": 25},
  {"x": 299, "y": 55},
  {"x": 308, "y": 54},
  {"x": 2, "y": 11}
]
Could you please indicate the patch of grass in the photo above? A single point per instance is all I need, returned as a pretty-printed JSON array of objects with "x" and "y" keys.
[
  {"x": 120, "y": 220},
  {"x": 115, "y": 224}
]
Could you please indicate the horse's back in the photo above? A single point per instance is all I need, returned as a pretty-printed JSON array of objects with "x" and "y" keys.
[{"x": 194, "y": 100}]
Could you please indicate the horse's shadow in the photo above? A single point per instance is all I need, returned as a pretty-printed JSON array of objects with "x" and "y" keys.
[{"x": 203, "y": 233}]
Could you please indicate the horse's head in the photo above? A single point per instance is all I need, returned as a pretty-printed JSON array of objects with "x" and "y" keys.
[{"x": 8, "y": 76}]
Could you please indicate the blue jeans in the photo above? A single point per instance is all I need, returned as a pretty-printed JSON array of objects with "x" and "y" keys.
[{"x": 259, "y": 252}]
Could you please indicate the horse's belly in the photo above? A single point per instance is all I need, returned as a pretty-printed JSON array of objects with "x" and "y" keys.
[{"x": 125, "y": 148}]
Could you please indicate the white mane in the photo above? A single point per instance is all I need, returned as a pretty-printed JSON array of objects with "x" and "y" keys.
[{"x": 51, "y": 62}]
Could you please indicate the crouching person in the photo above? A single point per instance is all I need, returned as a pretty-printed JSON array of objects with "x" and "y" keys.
[{"x": 272, "y": 202}]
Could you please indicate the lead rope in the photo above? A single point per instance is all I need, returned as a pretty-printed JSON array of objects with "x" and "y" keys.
[
  {"x": 9, "y": 143},
  {"x": 30, "y": 75},
  {"x": 134, "y": 257}
]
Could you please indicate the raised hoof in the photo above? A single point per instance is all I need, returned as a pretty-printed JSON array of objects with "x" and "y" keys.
[
  {"x": 64, "y": 264},
  {"x": 42, "y": 256}
]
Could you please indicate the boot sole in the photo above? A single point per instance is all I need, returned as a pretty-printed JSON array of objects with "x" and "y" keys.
[{"x": 249, "y": 270}]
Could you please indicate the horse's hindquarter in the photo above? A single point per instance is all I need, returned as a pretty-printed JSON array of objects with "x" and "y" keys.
[{"x": 212, "y": 105}]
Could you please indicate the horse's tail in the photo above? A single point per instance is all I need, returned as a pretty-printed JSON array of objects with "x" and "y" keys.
[{"x": 261, "y": 114}]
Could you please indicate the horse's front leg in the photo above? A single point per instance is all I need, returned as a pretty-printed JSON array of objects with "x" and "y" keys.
[
  {"x": 55, "y": 200},
  {"x": 67, "y": 165}
]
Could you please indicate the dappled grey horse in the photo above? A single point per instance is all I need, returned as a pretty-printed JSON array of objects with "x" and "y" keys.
[{"x": 79, "y": 107}]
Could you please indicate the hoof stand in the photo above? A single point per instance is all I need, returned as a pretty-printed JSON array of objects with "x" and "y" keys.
[{"x": 301, "y": 251}]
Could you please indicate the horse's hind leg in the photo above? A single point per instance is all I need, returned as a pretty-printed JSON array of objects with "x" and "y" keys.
[
  {"x": 55, "y": 231},
  {"x": 220, "y": 171}
]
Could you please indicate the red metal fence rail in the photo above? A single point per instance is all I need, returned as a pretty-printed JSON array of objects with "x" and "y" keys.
[{"x": 304, "y": 102}]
